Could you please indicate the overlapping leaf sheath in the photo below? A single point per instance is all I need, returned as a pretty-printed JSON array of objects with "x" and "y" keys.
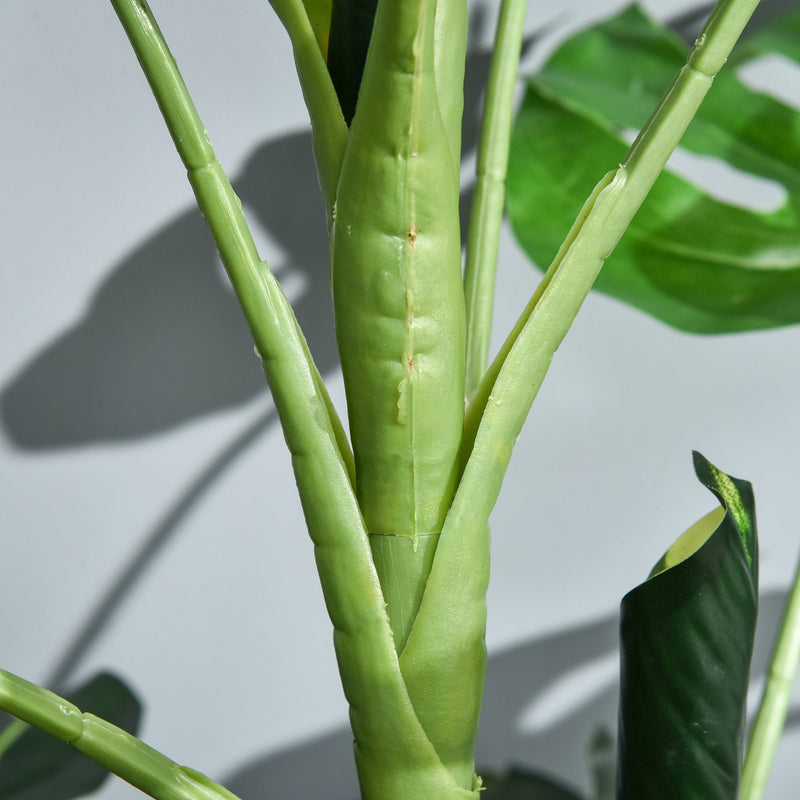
[
  {"x": 398, "y": 298},
  {"x": 396, "y": 272}
]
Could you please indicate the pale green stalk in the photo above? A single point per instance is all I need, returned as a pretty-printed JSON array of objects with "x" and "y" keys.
[
  {"x": 488, "y": 202},
  {"x": 11, "y": 733},
  {"x": 328, "y": 127},
  {"x": 109, "y": 746},
  {"x": 768, "y": 725},
  {"x": 396, "y": 760},
  {"x": 269, "y": 316},
  {"x": 496, "y": 413},
  {"x": 398, "y": 297},
  {"x": 449, "y": 55}
]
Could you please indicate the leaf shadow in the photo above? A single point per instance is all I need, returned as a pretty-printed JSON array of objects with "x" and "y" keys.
[
  {"x": 322, "y": 767},
  {"x": 162, "y": 340}
]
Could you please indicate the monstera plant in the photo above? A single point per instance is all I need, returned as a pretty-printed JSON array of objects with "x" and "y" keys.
[{"x": 397, "y": 498}]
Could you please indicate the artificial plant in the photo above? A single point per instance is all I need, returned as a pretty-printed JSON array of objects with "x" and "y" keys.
[{"x": 400, "y": 522}]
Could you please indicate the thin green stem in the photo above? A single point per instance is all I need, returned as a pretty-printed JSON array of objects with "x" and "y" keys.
[
  {"x": 514, "y": 378},
  {"x": 328, "y": 126},
  {"x": 768, "y": 725},
  {"x": 483, "y": 240},
  {"x": 109, "y": 746},
  {"x": 395, "y": 757},
  {"x": 269, "y": 316}
]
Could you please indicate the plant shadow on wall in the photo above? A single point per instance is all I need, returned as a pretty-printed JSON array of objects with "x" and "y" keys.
[{"x": 543, "y": 702}]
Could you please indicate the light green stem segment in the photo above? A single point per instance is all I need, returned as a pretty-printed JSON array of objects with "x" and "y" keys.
[
  {"x": 269, "y": 316},
  {"x": 449, "y": 62},
  {"x": 109, "y": 746},
  {"x": 328, "y": 127},
  {"x": 396, "y": 760},
  {"x": 490, "y": 189},
  {"x": 397, "y": 290},
  {"x": 512, "y": 382},
  {"x": 768, "y": 725}
]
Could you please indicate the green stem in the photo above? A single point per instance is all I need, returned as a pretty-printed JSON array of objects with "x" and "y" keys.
[
  {"x": 395, "y": 758},
  {"x": 107, "y": 745},
  {"x": 768, "y": 725},
  {"x": 269, "y": 316},
  {"x": 328, "y": 126},
  {"x": 490, "y": 188},
  {"x": 515, "y": 376}
]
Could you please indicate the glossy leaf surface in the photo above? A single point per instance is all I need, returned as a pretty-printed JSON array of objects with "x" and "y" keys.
[
  {"x": 686, "y": 643},
  {"x": 39, "y": 767},
  {"x": 693, "y": 261}
]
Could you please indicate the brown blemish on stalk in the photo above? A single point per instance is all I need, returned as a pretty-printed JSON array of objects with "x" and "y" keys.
[{"x": 412, "y": 235}]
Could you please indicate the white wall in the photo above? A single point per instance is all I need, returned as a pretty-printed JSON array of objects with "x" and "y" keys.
[{"x": 149, "y": 519}]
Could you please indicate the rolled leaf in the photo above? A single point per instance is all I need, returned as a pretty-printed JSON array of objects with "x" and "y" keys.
[{"x": 686, "y": 644}]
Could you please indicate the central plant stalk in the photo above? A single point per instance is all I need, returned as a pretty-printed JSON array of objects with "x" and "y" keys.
[{"x": 398, "y": 299}]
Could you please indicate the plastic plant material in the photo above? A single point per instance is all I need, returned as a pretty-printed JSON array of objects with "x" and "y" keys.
[
  {"x": 774, "y": 706},
  {"x": 686, "y": 644},
  {"x": 695, "y": 262},
  {"x": 37, "y": 766},
  {"x": 400, "y": 525}
]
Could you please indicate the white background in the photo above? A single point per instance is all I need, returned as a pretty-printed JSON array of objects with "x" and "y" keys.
[{"x": 150, "y": 524}]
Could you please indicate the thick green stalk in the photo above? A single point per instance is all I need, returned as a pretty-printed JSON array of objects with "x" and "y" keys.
[
  {"x": 512, "y": 382},
  {"x": 490, "y": 189},
  {"x": 113, "y": 748},
  {"x": 398, "y": 299},
  {"x": 396, "y": 759},
  {"x": 768, "y": 725}
]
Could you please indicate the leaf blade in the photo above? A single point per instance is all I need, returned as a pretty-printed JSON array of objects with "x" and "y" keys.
[
  {"x": 696, "y": 263},
  {"x": 686, "y": 644}
]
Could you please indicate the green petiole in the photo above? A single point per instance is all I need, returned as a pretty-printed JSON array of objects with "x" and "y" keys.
[
  {"x": 309, "y": 37},
  {"x": 483, "y": 241},
  {"x": 768, "y": 725},
  {"x": 111, "y": 747},
  {"x": 511, "y": 383}
]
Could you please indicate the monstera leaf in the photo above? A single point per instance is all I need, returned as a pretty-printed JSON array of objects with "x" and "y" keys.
[
  {"x": 38, "y": 767},
  {"x": 693, "y": 261},
  {"x": 686, "y": 643}
]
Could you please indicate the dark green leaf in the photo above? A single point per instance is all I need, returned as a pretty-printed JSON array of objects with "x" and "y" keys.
[
  {"x": 695, "y": 262},
  {"x": 350, "y": 34},
  {"x": 687, "y": 639},
  {"x": 519, "y": 784},
  {"x": 38, "y": 767}
]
